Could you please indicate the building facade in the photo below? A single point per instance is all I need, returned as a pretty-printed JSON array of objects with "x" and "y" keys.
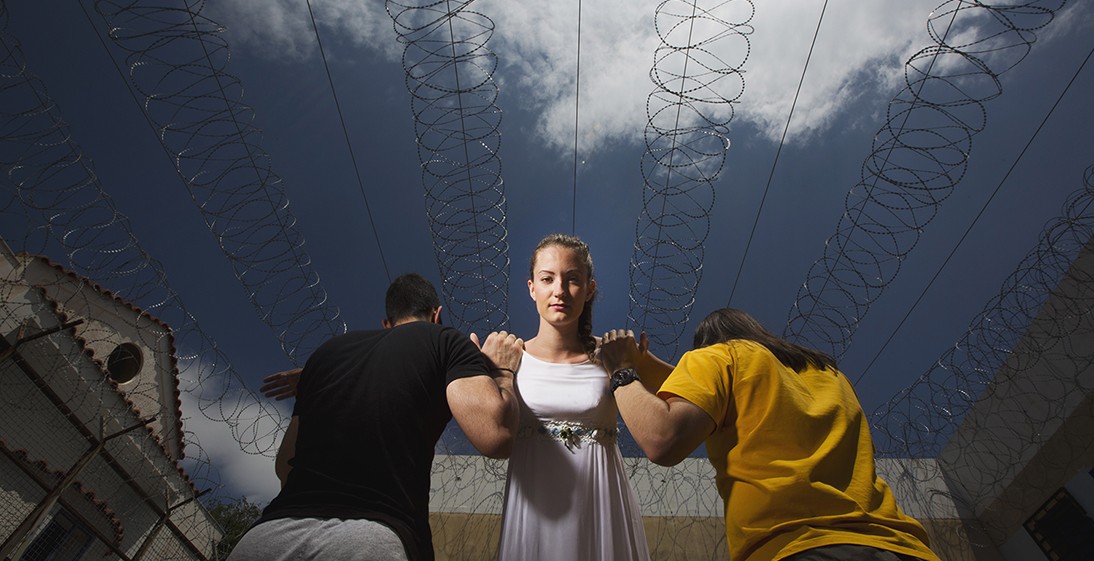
[{"x": 91, "y": 438}]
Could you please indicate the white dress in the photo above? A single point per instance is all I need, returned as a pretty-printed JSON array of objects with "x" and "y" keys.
[{"x": 567, "y": 496}]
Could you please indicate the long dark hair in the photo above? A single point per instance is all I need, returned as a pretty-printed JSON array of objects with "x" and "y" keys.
[
  {"x": 730, "y": 323},
  {"x": 574, "y": 243}
]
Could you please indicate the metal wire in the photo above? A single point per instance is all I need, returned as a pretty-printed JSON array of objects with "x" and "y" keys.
[
  {"x": 449, "y": 74},
  {"x": 686, "y": 136},
  {"x": 918, "y": 157},
  {"x": 1021, "y": 370},
  {"x": 52, "y": 202},
  {"x": 176, "y": 64}
]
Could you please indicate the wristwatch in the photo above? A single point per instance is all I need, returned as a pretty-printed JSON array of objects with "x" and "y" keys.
[{"x": 622, "y": 377}]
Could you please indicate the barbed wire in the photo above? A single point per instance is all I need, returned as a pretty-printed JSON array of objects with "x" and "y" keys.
[
  {"x": 697, "y": 78},
  {"x": 918, "y": 157},
  {"x": 53, "y": 203},
  {"x": 1002, "y": 391},
  {"x": 449, "y": 74},
  {"x": 176, "y": 65}
]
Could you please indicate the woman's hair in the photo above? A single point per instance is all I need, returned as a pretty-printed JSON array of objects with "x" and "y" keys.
[
  {"x": 729, "y": 323},
  {"x": 574, "y": 243}
]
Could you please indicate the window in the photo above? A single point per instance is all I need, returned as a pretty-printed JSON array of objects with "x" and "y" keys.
[
  {"x": 63, "y": 539},
  {"x": 1062, "y": 529},
  {"x": 124, "y": 363}
]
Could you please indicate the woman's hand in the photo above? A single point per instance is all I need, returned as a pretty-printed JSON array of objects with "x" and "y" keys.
[{"x": 281, "y": 385}]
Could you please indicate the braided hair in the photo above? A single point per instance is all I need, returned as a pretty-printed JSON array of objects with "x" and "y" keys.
[{"x": 573, "y": 243}]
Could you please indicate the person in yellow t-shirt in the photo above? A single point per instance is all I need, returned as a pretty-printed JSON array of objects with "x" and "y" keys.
[{"x": 785, "y": 433}]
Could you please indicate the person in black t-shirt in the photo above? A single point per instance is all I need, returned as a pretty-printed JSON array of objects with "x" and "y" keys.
[{"x": 370, "y": 406}]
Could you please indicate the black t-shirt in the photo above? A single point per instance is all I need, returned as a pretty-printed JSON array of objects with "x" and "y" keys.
[{"x": 372, "y": 406}]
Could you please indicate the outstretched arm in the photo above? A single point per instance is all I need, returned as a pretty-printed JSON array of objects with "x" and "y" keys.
[
  {"x": 667, "y": 430},
  {"x": 485, "y": 406}
]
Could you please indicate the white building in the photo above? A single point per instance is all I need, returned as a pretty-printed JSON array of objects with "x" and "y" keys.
[{"x": 90, "y": 425}]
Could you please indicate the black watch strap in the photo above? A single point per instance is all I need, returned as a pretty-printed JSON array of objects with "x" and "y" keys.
[{"x": 622, "y": 377}]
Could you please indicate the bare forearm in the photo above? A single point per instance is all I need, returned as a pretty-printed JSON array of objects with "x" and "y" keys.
[
  {"x": 652, "y": 371},
  {"x": 667, "y": 430},
  {"x": 490, "y": 410},
  {"x": 499, "y": 443},
  {"x": 646, "y": 417},
  {"x": 508, "y": 414},
  {"x": 486, "y": 409}
]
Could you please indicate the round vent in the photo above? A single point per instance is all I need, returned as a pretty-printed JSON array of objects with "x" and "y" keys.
[{"x": 124, "y": 363}]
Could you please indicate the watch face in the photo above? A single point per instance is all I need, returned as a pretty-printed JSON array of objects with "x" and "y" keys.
[{"x": 623, "y": 377}]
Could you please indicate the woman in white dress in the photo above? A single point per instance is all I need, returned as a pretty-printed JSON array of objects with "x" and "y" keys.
[{"x": 567, "y": 496}]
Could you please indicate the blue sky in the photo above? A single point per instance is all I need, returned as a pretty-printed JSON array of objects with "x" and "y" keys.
[{"x": 857, "y": 66}]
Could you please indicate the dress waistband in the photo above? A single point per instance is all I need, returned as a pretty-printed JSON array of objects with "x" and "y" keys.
[{"x": 570, "y": 434}]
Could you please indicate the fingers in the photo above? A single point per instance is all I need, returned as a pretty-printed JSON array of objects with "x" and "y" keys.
[
  {"x": 618, "y": 349},
  {"x": 475, "y": 340},
  {"x": 281, "y": 385},
  {"x": 280, "y": 375},
  {"x": 644, "y": 343},
  {"x": 504, "y": 338},
  {"x": 280, "y": 395},
  {"x": 616, "y": 335},
  {"x": 504, "y": 350}
]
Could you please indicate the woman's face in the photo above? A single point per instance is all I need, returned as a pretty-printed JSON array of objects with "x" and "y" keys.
[{"x": 560, "y": 285}]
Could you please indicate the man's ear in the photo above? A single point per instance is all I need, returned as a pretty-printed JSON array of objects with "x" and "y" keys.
[
  {"x": 387, "y": 323},
  {"x": 435, "y": 317}
]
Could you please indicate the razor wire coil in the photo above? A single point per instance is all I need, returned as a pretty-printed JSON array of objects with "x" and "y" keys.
[
  {"x": 697, "y": 77},
  {"x": 449, "y": 75},
  {"x": 918, "y": 158},
  {"x": 177, "y": 67}
]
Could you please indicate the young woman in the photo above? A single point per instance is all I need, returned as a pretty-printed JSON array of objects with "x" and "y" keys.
[{"x": 567, "y": 495}]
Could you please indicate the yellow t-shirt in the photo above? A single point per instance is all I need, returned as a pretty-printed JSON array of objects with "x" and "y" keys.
[{"x": 782, "y": 450}]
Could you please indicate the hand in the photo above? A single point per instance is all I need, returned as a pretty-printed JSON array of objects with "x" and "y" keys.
[
  {"x": 503, "y": 350},
  {"x": 281, "y": 385},
  {"x": 619, "y": 350}
]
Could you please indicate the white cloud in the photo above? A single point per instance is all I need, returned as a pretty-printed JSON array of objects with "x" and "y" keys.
[
  {"x": 283, "y": 28},
  {"x": 862, "y": 47},
  {"x": 860, "y": 51},
  {"x": 537, "y": 44},
  {"x": 1075, "y": 17},
  {"x": 249, "y": 473}
]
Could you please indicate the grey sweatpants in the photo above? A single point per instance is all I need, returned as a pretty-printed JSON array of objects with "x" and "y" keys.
[{"x": 300, "y": 539}]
